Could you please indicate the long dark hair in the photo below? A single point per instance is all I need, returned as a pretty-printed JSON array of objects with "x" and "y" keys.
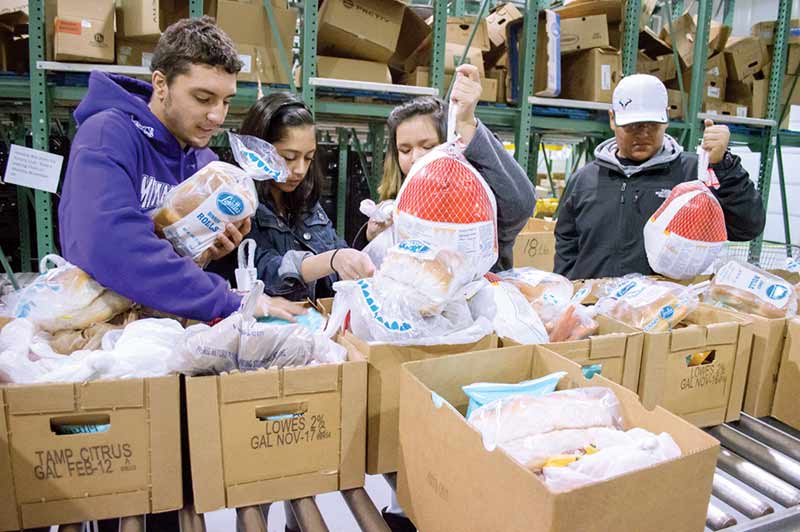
[
  {"x": 269, "y": 118},
  {"x": 422, "y": 106}
]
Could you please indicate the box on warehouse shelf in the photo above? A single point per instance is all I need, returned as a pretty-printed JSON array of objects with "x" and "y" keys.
[
  {"x": 449, "y": 481},
  {"x": 715, "y": 80},
  {"x": 536, "y": 245},
  {"x": 383, "y": 391},
  {"x": 460, "y": 28},
  {"x": 751, "y": 92},
  {"x": 79, "y": 452},
  {"x": 616, "y": 347},
  {"x": 593, "y": 75},
  {"x": 547, "y": 74},
  {"x": 421, "y": 78},
  {"x": 662, "y": 67},
  {"x": 583, "y": 33},
  {"x": 244, "y": 22},
  {"x": 497, "y": 21},
  {"x": 277, "y": 434},
  {"x": 147, "y": 19},
  {"x": 784, "y": 407},
  {"x": 716, "y": 107},
  {"x": 706, "y": 394},
  {"x": 675, "y": 100},
  {"x": 685, "y": 31},
  {"x": 386, "y": 31},
  {"x": 132, "y": 52},
  {"x": 353, "y": 69},
  {"x": 744, "y": 56},
  {"x": 80, "y": 31},
  {"x": 766, "y": 31}
]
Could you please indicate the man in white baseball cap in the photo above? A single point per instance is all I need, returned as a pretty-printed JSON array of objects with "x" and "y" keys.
[{"x": 606, "y": 203}]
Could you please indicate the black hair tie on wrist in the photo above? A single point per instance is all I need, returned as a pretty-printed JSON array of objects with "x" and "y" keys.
[{"x": 333, "y": 257}]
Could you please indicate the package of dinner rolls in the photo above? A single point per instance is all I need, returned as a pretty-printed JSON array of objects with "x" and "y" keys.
[
  {"x": 749, "y": 289},
  {"x": 195, "y": 212}
]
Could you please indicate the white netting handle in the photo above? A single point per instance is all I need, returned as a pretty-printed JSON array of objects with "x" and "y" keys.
[{"x": 452, "y": 110}]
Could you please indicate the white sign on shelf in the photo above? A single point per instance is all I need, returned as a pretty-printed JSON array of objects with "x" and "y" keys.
[{"x": 33, "y": 168}]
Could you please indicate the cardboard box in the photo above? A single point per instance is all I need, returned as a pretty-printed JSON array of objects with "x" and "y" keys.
[
  {"x": 132, "y": 52},
  {"x": 80, "y": 31},
  {"x": 685, "y": 29},
  {"x": 652, "y": 45},
  {"x": 460, "y": 28},
  {"x": 584, "y": 33},
  {"x": 449, "y": 480},
  {"x": 48, "y": 477},
  {"x": 383, "y": 392},
  {"x": 386, "y": 31},
  {"x": 704, "y": 395},
  {"x": 716, "y": 107},
  {"x": 744, "y": 56},
  {"x": 14, "y": 37},
  {"x": 766, "y": 31},
  {"x": 765, "y": 359},
  {"x": 547, "y": 74},
  {"x": 612, "y": 9},
  {"x": 244, "y": 23},
  {"x": 499, "y": 75},
  {"x": 793, "y": 59},
  {"x": 716, "y": 67},
  {"x": 675, "y": 104},
  {"x": 593, "y": 75},
  {"x": 497, "y": 21},
  {"x": 353, "y": 69},
  {"x": 784, "y": 406},
  {"x": 273, "y": 435},
  {"x": 452, "y": 56},
  {"x": 750, "y": 92},
  {"x": 663, "y": 67},
  {"x": 536, "y": 245},
  {"x": 421, "y": 78},
  {"x": 147, "y": 19},
  {"x": 616, "y": 347}
]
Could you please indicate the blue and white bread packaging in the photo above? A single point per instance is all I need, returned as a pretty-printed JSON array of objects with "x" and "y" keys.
[{"x": 195, "y": 212}]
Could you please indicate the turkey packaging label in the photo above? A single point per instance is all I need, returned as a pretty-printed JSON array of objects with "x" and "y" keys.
[{"x": 445, "y": 202}]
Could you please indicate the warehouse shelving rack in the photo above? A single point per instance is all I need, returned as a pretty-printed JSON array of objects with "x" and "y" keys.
[{"x": 528, "y": 120}]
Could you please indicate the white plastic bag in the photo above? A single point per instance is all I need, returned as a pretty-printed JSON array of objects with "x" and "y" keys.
[
  {"x": 514, "y": 317},
  {"x": 379, "y": 246},
  {"x": 746, "y": 288},
  {"x": 549, "y": 293},
  {"x": 686, "y": 234},
  {"x": 66, "y": 297},
  {"x": 444, "y": 201}
]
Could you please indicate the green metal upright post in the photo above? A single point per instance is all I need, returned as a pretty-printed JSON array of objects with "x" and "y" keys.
[
  {"x": 773, "y": 97},
  {"x": 309, "y": 52},
  {"x": 475, "y": 25},
  {"x": 730, "y": 6},
  {"x": 40, "y": 124},
  {"x": 437, "y": 51},
  {"x": 278, "y": 42},
  {"x": 698, "y": 72},
  {"x": 458, "y": 8},
  {"x": 376, "y": 133},
  {"x": 787, "y": 226},
  {"x": 677, "y": 9},
  {"x": 527, "y": 66},
  {"x": 630, "y": 40},
  {"x": 195, "y": 8},
  {"x": 341, "y": 183}
]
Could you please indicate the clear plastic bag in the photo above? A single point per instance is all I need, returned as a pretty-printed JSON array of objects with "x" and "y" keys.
[
  {"x": 444, "y": 201},
  {"x": 514, "y": 317},
  {"x": 481, "y": 393},
  {"x": 686, "y": 234},
  {"x": 549, "y": 293},
  {"x": 65, "y": 297},
  {"x": 746, "y": 288},
  {"x": 195, "y": 212},
  {"x": 575, "y": 323},
  {"x": 379, "y": 246},
  {"x": 652, "y": 306},
  {"x": 521, "y": 416}
]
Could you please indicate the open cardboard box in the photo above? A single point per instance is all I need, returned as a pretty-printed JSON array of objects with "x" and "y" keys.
[
  {"x": 616, "y": 347},
  {"x": 133, "y": 467},
  {"x": 277, "y": 434},
  {"x": 784, "y": 407},
  {"x": 706, "y": 394},
  {"x": 536, "y": 245},
  {"x": 449, "y": 481}
]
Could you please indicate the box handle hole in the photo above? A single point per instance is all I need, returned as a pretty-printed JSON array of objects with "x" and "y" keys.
[
  {"x": 703, "y": 358},
  {"x": 80, "y": 424}
]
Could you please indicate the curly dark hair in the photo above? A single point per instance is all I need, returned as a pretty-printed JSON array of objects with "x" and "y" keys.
[
  {"x": 269, "y": 119},
  {"x": 194, "y": 41}
]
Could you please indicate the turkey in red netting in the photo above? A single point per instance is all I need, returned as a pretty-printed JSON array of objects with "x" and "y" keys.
[
  {"x": 686, "y": 234},
  {"x": 446, "y": 202}
]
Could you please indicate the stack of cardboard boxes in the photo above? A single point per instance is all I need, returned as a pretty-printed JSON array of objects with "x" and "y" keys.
[{"x": 13, "y": 36}]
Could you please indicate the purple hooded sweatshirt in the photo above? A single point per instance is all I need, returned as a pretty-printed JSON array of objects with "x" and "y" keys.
[{"x": 122, "y": 163}]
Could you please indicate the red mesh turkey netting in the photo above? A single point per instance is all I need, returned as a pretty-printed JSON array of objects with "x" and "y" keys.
[{"x": 701, "y": 219}]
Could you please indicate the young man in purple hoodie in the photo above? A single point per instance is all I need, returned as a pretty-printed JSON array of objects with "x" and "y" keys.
[{"x": 135, "y": 142}]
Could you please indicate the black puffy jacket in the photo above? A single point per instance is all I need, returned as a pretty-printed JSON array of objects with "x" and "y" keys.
[{"x": 599, "y": 232}]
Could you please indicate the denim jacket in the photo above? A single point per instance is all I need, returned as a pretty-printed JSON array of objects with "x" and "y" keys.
[{"x": 281, "y": 248}]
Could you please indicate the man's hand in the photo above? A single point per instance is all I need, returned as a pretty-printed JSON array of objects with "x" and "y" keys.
[
  {"x": 715, "y": 141},
  {"x": 229, "y": 240}
]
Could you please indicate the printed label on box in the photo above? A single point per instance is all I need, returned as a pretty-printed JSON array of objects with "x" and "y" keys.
[
  {"x": 605, "y": 76},
  {"x": 741, "y": 111},
  {"x": 714, "y": 92},
  {"x": 86, "y": 461},
  {"x": 147, "y": 59},
  {"x": 69, "y": 27},
  {"x": 247, "y": 63}
]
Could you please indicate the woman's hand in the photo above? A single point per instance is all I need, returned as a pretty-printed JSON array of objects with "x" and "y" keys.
[
  {"x": 466, "y": 92},
  {"x": 278, "y": 307},
  {"x": 352, "y": 264}
]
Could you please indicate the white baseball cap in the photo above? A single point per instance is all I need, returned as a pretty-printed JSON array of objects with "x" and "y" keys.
[{"x": 640, "y": 98}]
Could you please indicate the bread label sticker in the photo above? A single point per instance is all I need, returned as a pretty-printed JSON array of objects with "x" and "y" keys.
[
  {"x": 735, "y": 275},
  {"x": 33, "y": 168}
]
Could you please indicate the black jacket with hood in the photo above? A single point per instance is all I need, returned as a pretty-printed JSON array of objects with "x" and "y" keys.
[{"x": 599, "y": 232}]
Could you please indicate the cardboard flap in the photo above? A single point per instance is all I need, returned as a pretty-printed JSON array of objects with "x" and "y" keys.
[
  {"x": 687, "y": 338},
  {"x": 261, "y": 384},
  {"x": 353, "y": 450},
  {"x": 166, "y": 466},
  {"x": 42, "y": 514},
  {"x": 608, "y": 345},
  {"x": 205, "y": 443},
  {"x": 723, "y": 333},
  {"x": 32, "y": 400},
  {"x": 9, "y": 519},
  {"x": 324, "y": 378},
  {"x": 124, "y": 393}
]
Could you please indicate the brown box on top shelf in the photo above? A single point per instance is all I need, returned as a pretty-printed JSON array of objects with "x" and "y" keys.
[
  {"x": 80, "y": 31},
  {"x": 134, "y": 52},
  {"x": 583, "y": 33},
  {"x": 662, "y": 67},
  {"x": 74, "y": 452},
  {"x": 277, "y": 434},
  {"x": 750, "y": 92},
  {"x": 421, "y": 78},
  {"x": 716, "y": 107},
  {"x": 14, "y": 37},
  {"x": 652, "y": 45},
  {"x": 352, "y": 69},
  {"x": 497, "y": 21},
  {"x": 451, "y": 482},
  {"x": 685, "y": 29},
  {"x": 460, "y": 28},
  {"x": 245, "y": 22},
  {"x": 147, "y": 19},
  {"x": 612, "y": 9},
  {"x": 593, "y": 75},
  {"x": 386, "y": 31},
  {"x": 716, "y": 81},
  {"x": 547, "y": 75},
  {"x": 766, "y": 31},
  {"x": 675, "y": 104},
  {"x": 744, "y": 56}
]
